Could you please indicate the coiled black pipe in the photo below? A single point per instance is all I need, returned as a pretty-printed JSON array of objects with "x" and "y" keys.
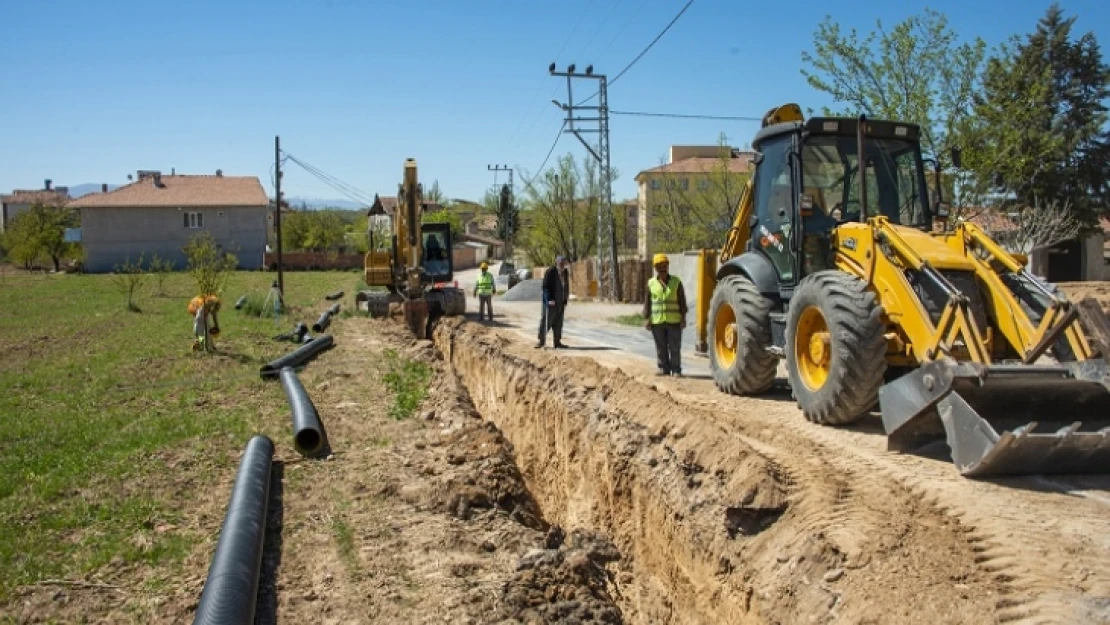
[
  {"x": 308, "y": 432},
  {"x": 239, "y": 304},
  {"x": 334, "y": 296},
  {"x": 231, "y": 590},
  {"x": 296, "y": 357}
]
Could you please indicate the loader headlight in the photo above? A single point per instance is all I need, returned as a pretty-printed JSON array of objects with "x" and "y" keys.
[
  {"x": 943, "y": 208},
  {"x": 901, "y": 131},
  {"x": 830, "y": 126}
]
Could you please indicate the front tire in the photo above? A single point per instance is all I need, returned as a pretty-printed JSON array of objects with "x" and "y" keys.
[
  {"x": 739, "y": 338},
  {"x": 835, "y": 347}
]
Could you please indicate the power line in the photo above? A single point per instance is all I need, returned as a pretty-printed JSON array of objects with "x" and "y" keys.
[
  {"x": 643, "y": 52},
  {"x": 350, "y": 191},
  {"x": 725, "y": 117},
  {"x": 558, "y": 135}
]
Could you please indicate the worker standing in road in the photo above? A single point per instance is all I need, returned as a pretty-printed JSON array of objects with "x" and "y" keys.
[
  {"x": 665, "y": 315},
  {"x": 206, "y": 324},
  {"x": 483, "y": 289},
  {"x": 556, "y": 293}
]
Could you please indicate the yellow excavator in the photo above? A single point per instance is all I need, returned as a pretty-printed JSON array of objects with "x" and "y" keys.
[
  {"x": 416, "y": 269},
  {"x": 833, "y": 264}
]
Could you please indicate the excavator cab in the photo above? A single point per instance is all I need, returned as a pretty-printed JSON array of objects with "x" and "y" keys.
[{"x": 832, "y": 265}]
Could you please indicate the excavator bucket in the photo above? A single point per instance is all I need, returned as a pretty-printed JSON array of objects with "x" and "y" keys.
[{"x": 1005, "y": 419}]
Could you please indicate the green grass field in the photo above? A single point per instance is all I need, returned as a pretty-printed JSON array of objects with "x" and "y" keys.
[{"x": 100, "y": 405}]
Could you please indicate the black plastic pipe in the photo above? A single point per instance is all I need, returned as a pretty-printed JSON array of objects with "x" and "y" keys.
[
  {"x": 334, "y": 310},
  {"x": 323, "y": 322},
  {"x": 239, "y": 304},
  {"x": 334, "y": 296},
  {"x": 296, "y": 357},
  {"x": 231, "y": 590},
  {"x": 308, "y": 432},
  {"x": 299, "y": 331}
]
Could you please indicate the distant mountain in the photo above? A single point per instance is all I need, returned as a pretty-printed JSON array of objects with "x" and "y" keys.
[
  {"x": 77, "y": 190},
  {"x": 315, "y": 203}
]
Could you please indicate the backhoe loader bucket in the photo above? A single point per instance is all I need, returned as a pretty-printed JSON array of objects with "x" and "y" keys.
[{"x": 989, "y": 415}]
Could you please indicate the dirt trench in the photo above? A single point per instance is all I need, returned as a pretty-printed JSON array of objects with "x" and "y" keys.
[{"x": 710, "y": 526}]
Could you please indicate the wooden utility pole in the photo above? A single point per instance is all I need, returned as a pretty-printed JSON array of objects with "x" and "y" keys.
[{"x": 277, "y": 216}]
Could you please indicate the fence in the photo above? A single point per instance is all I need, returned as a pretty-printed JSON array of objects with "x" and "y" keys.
[
  {"x": 313, "y": 261},
  {"x": 634, "y": 274}
]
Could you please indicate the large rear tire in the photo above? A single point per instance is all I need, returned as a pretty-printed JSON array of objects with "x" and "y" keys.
[
  {"x": 835, "y": 347},
  {"x": 739, "y": 338}
]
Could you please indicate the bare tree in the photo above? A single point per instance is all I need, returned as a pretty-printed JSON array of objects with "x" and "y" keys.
[
  {"x": 696, "y": 209},
  {"x": 1033, "y": 227}
]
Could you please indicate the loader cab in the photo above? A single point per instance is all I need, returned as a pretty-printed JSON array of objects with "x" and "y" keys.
[
  {"x": 436, "y": 258},
  {"x": 807, "y": 182}
]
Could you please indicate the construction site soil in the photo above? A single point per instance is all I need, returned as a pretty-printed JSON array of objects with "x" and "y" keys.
[{"x": 535, "y": 486}]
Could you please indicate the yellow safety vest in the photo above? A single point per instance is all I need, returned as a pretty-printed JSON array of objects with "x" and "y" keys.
[
  {"x": 664, "y": 301},
  {"x": 485, "y": 283}
]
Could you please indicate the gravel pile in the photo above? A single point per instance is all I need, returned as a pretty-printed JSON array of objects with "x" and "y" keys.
[{"x": 526, "y": 291}]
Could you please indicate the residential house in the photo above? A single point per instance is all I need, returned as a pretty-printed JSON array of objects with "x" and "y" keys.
[
  {"x": 158, "y": 215},
  {"x": 20, "y": 200},
  {"x": 691, "y": 169}
]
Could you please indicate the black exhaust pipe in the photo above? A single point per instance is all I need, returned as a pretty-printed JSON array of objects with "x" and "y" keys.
[
  {"x": 231, "y": 589},
  {"x": 334, "y": 296},
  {"x": 308, "y": 432},
  {"x": 297, "y": 357}
]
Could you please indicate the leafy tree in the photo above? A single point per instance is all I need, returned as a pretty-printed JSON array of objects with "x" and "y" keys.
[
  {"x": 314, "y": 231},
  {"x": 208, "y": 264},
  {"x": 917, "y": 73},
  {"x": 40, "y": 231},
  {"x": 21, "y": 240},
  {"x": 443, "y": 216},
  {"x": 1039, "y": 132},
  {"x": 563, "y": 203},
  {"x": 700, "y": 213},
  {"x": 433, "y": 194}
]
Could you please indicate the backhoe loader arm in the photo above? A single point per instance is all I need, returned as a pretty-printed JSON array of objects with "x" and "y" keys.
[
  {"x": 708, "y": 261},
  {"x": 1029, "y": 337}
]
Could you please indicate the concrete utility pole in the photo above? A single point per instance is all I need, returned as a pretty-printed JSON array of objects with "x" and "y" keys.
[
  {"x": 606, "y": 229},
  {"x": 277, "y": 216},
  {"x": 506, "y": 210}
]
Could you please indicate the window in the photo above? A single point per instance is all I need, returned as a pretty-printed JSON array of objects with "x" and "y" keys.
[
  {"x": 894, "y": 184},
  {"x": 194, "y": 220},
  {"x": 703, "y": 184},
  {"x": 774, "y": 206},
  {"x": 656, "y": 184}
]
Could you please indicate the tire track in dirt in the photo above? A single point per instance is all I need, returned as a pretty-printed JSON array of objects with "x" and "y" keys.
[
  {"x": 1050, "y": 554},
  {"x": 671, "y": 484}
]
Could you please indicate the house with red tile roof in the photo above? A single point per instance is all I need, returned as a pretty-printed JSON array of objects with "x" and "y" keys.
[{"x": 159, "y": 214}]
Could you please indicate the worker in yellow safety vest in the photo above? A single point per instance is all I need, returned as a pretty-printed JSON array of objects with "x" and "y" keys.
[
  {"x": 665, "y": 315},
  {"x": 484, "y": 290},
  {"x": 206, "y": 325}
]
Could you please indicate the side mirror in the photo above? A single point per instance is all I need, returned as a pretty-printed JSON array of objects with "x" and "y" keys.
[{"x": 957, "y": 158}]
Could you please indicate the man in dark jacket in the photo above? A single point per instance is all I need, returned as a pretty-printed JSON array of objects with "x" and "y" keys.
[{"x": 556, "y": 293}]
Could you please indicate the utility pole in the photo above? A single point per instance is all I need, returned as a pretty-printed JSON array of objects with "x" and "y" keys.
[
  {"x": 606, "y": 229},
  {"x": 277, "y": 217},
  {"x": 506, "y": 218}
]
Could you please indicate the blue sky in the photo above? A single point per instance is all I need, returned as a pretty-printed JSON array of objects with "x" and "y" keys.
[{"x": 90, "y": 91}]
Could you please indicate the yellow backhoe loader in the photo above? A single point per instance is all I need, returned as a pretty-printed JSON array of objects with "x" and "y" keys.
[
  {"x": 417, "y": 269},
  {"x": 837, "y": 269}
]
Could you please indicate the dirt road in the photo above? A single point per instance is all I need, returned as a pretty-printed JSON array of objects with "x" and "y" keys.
[{"x": 1030, "y": 549}]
